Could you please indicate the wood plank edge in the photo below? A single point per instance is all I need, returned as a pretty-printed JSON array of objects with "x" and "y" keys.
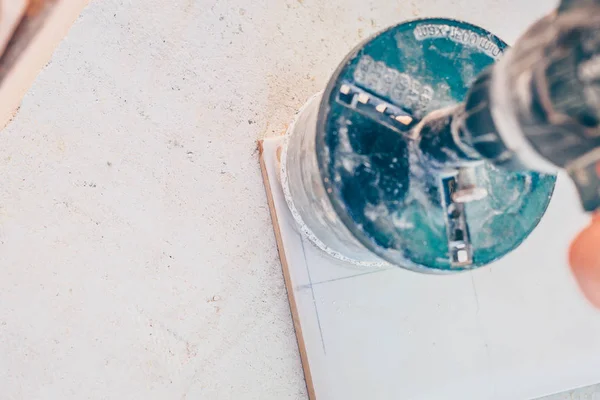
[
  {"x": 29, "y": 54},
  {"x": 286, "y": 276}
]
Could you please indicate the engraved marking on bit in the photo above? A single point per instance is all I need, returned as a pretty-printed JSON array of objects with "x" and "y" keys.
[
  {"x": 458, "y": 35},
  {"x": 400, "y": 88}
]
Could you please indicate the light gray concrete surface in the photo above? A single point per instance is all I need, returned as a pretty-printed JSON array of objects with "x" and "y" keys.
[{"x": 136, "y": 250}]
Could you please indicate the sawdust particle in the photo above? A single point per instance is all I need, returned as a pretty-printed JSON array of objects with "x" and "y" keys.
[{"x": 216, "y": 297}]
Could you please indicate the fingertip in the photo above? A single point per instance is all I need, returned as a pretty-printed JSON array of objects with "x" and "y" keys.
[{"x": 584, "y": 258}]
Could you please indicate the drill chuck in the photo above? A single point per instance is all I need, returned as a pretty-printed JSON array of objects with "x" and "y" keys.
[{"x": 538, "y": 108}]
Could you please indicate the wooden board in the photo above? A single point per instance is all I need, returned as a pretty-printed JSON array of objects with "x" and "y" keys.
[
  {"x": 11, "y": 13},
  {"x": 518, "y": 329},
  {"x": 30, "y": 32}
]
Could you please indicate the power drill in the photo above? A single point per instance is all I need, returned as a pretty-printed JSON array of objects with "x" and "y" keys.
[{"x": 538, "y": 108}]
